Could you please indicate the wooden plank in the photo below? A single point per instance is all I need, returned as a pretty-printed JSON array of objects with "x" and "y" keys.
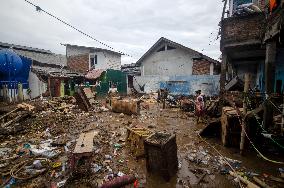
[
  {"x": 14, "y": 120},
  {"x": 7, "y": 114},
  {"x": 269, "y": 81},
  {"x": 85, "y": 143}
]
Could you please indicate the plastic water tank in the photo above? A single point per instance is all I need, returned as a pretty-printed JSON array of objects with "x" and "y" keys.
[{"x": 10, "y": 62}]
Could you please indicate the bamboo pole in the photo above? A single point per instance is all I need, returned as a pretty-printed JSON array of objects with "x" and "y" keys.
[
  {"x": 260, "y": 182},
  {"x": 245, "y": 181}
]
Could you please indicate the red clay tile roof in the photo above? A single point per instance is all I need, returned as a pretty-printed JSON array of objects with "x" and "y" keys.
[{"x": 94, "y": 74}]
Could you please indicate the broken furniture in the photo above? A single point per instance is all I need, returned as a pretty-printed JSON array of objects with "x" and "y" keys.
[
  {"x": 83, "y": 150},
  {"x": 85, "y": 98},
  {"x": 126, "y": 106},
  {"x": 135, "y": 140},
  {"x": 231, "y": 128},
  {"x": 161, "y": 154}
]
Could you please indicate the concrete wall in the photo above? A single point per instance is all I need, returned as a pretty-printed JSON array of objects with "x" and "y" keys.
[
  {"x": 37, "y": 86},
  {"x": 241, "y": 69},
  {"x": 76, "y": 50},
  {"x": 168, "y": 63},
  {"x": 107, "y": 60},
  {"x": 152, "y": 83},
  {"x": 56, "y": 59},
  {"x": 180, "y": 85}
]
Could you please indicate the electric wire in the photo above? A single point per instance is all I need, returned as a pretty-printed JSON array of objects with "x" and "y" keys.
[
  {"x": 259, "y": 124},
  {"x": 241, "y": 124},
  {"x": 39, "y": 9}
]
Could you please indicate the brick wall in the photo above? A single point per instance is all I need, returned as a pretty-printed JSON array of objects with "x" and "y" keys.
[
  {"x": 78, "y": 63},
  {"x": 242, "y": 29},
  {"x": 201, "y": 67}
]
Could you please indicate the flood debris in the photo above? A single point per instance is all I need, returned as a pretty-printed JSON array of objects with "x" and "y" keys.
[
  {"x": 161, "y": 154},
  {"x": 135, "y": 140},
  {"x": 126, "y": 106}
]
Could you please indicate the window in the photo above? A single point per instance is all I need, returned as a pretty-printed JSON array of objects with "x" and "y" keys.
[
  {"x": 93, "y": 60},
  {"x": 96, "y": 59},
  {"x": 162, "y": 49},
  {"x": 170, "y": 48}
]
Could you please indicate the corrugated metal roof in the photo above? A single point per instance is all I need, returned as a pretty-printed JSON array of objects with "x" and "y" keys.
[
  {"x": 19, "y": 47},
  {"x": 55, "y": 72}
]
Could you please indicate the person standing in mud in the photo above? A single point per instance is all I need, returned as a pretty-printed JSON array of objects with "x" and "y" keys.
[
  {"x": 199, "y": 106},
  {"x": 112, "y": 92}
]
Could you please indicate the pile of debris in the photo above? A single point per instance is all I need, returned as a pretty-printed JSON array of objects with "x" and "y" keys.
[{"x": 48, "y": 149}]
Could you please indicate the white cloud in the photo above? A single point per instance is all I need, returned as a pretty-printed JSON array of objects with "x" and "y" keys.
[{"x": 131, "y": 26}]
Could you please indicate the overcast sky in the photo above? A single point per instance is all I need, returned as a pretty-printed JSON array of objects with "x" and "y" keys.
[{"x": 131, "y": 26}]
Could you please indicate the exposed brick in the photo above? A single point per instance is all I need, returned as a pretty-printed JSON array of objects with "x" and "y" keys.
[
  {"x": 242, "y": 29},
  {"x": 201, "y": 67},
  {"x": 79, "y": 63}
]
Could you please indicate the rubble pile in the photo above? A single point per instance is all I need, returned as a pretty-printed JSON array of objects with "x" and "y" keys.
[{"x": 39, "y": 154}]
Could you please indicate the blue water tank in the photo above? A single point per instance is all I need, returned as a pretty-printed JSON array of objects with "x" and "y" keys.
[{"x": 10, "y": 62}]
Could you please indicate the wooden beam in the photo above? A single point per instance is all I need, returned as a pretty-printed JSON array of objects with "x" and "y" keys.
[
  {"x": 223, "y": 72},
  {"x": 248, "y": 78},
  {"x": 269, "y": 81}
]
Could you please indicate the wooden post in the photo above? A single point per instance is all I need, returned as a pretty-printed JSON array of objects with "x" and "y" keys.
[
  {"x": 282, "y": 122},
  {"x": 246, "y": 89},
  {"x": 223, "y": 72},
  {"x": 269, "y": 81},
  {"x": 20, "y": 92},
  {"x": 49, "y": 86}
]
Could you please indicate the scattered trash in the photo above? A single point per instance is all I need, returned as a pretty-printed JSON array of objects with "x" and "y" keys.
[{"x": 96, "y": 168}]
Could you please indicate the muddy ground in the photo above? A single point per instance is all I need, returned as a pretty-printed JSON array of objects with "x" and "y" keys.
[{"x": 112, "y": 155}]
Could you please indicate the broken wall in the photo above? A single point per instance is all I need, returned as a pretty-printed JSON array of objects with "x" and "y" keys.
[
  {"x": 242, "y": 29},
  {"x": 36, "y": 85}
]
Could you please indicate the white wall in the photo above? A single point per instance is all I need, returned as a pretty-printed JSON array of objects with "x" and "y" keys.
[
  {"x": 113, "y": 61},
  {"x": 36, "y": 85},
  {"x": 168, "y": 63},
  {"x": 76, "y": 50},
  {"x": 107, "y": 60},
  {"x": 152, "y": 83}
]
